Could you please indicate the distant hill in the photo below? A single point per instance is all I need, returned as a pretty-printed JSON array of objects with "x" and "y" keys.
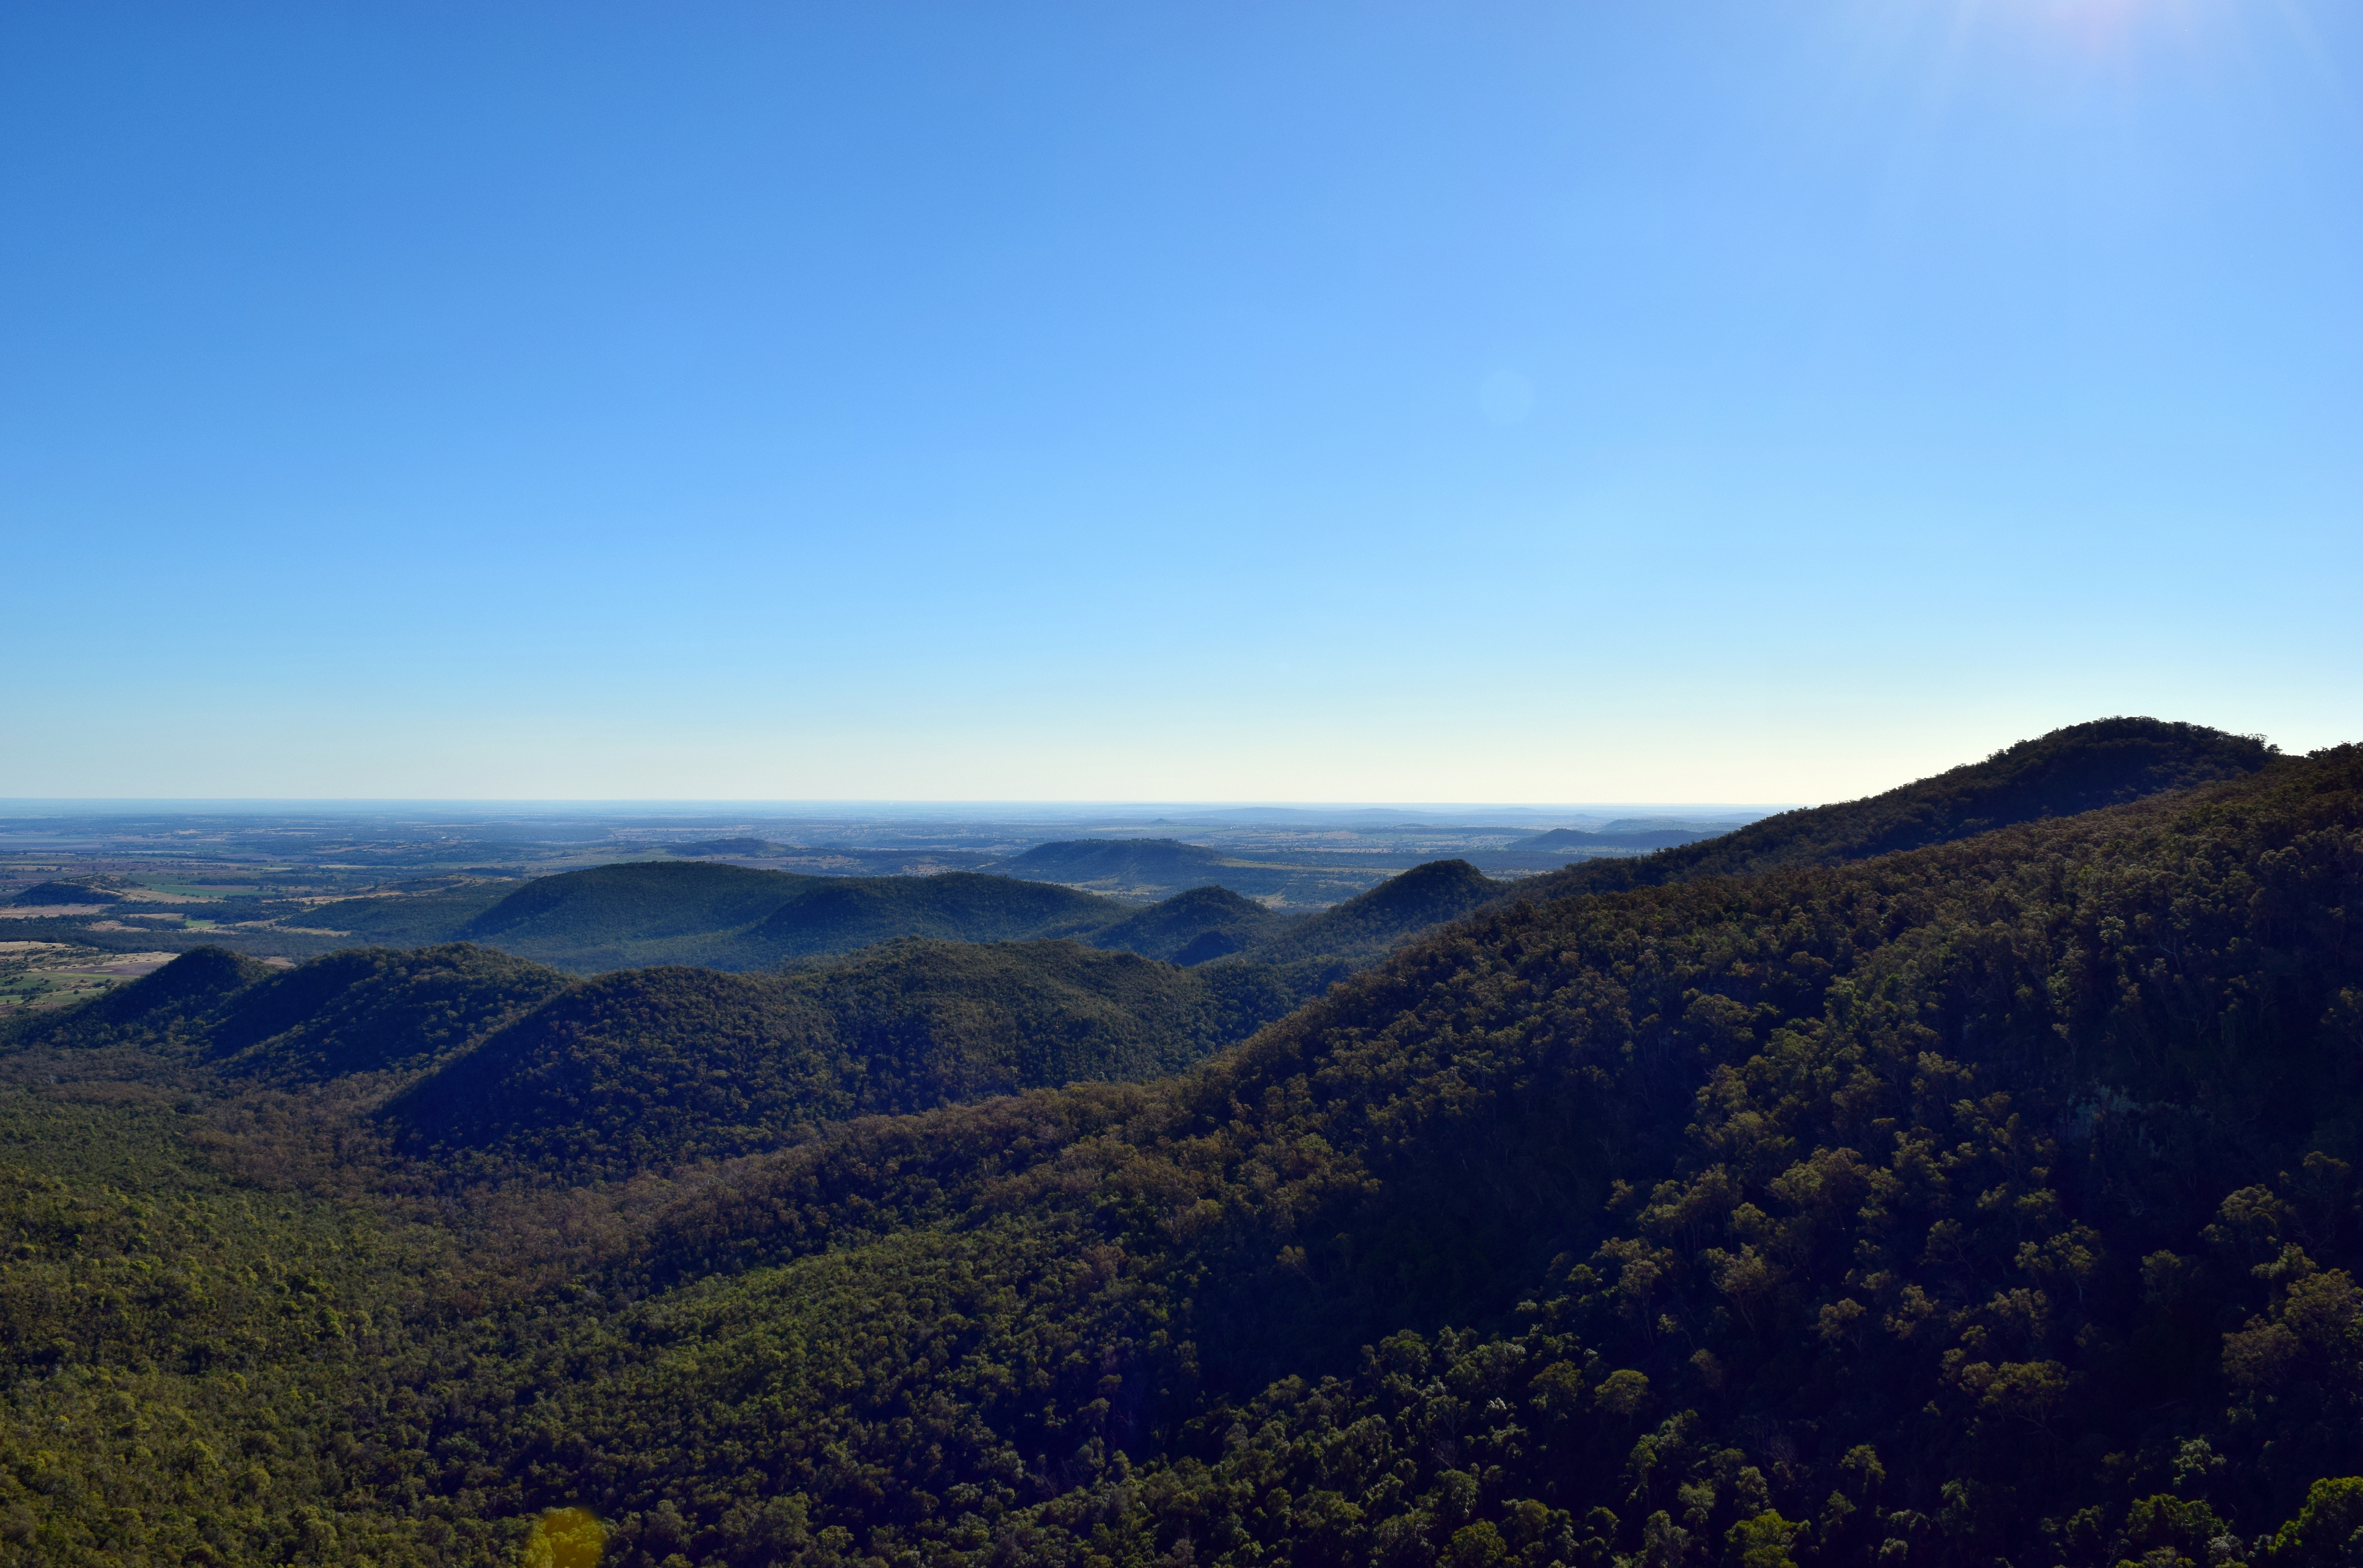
[
  {"x": 1638, "y": 839},
  {"x": 608, "y": 906},
  {"x": 162, "y": 1006},
  {"x": 65, "y": 893},
  {"x": 1326, "y": 946},
  {"x": 535, "y": 1070},
  {"x": 374, "y": 1010},
  {"x": 748, "y": 848},
  {"x": 2086, "y": 766},
  {"x": 1116, "y": 863},
  {"x": 1194, "y": 926},
  {"x": 722, "y": 916},
  {"x": 362, "y": 1009},
  {"x": 836, "y": 914},
  {"x": 737, "y": 918}
]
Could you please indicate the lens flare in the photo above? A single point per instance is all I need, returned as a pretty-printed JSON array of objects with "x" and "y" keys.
[{"x": 566, "y": 1538}]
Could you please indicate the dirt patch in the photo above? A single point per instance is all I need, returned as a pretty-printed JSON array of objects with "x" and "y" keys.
[{"x": 42, "y": 912}]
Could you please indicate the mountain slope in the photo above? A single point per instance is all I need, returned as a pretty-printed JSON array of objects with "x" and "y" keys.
[
  {"x": 373, "y": 1009},
  {"x": 841, "y": 913},
  {"x": 364, "y": 1010},
  {"x": 1194, "y": 926},
  {"x": 651, "y": 1067},
  {"x": 2083, "y": 767},
  {"x": 163, "y": 1006},
  {"x": 608, "y": 906},
  {"x": 1365, "y": 926},
  {"x": 1932, "y": 1185}
]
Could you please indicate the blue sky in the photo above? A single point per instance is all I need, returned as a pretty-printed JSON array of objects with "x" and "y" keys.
[{"x": 1577, "y": 401}]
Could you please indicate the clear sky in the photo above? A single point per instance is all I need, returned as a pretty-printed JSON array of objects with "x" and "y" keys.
[{"x": 1507, "y": 402}]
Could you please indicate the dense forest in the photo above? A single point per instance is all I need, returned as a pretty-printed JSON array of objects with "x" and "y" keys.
[{"x": 1958, "y": 1177}]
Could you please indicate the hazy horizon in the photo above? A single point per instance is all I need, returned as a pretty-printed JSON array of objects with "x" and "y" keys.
[{"x": 911, "y": 802}]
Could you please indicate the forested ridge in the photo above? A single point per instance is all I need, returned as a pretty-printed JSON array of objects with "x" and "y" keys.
[
  {"x": 645, "y": 1069},
  {"x": 2081, "y": 768},
  {"x": 719, "y": 916},
  {"x": 733, "y": 918},
  {"x": 1990, "y": 1200}
]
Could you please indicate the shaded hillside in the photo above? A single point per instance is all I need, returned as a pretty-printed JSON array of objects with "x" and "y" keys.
[
  {"x": 842, "y": 913},
  {"x": 651, "y": 1068},
  {"x": 1350, "y": 935},
  {"x": 65, "y": 893},
  {"x": 164, "y": 1006},
  {"x": 987, "y": 1021},
  {"x": 1978, "y": 1188},
  {"x": 364, "y": 1010},
  {"x": 373, "y": 1009},
  {"x": 2081, "y": 768},
  {"x": 1194, "y": 926},
  {"x": 608, "y": 907},
  {"x": 647, "y": 1067},
  {"x": 637, "y": 1068}
]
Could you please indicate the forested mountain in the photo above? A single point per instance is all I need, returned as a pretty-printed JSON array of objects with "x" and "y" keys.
[
  {"x": 1194, "y": 926},
  {"x": 369, "y": 1010},
  {"x": 1345, "y": 937},
  {"x": 2080, "y": 769},
  {"x": 362, "y": 1010},
  {"x": 643, "y": 1068},
  {"x": 650, "y": 1068},
  {"x": 1989, "y": 1201}
]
